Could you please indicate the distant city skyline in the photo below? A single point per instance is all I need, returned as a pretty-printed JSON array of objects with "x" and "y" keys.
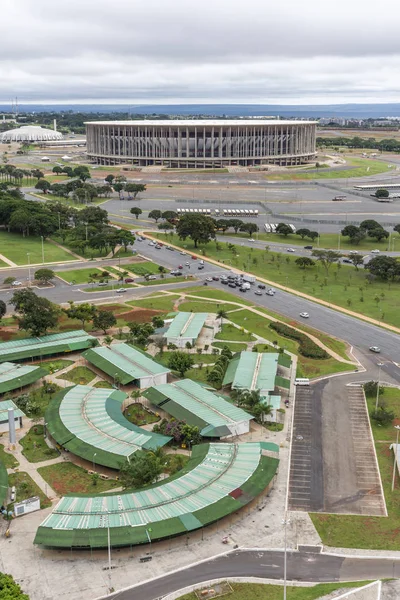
[{"x": 226, "y": 52}]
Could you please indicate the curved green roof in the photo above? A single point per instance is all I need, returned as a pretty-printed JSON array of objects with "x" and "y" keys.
[
  {"x": 13, "y": 376},
  {"x": 89, "y": 421},
  {"x": 223, "y": 480}
]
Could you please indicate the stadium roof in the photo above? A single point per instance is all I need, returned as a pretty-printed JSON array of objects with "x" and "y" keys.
[
  {"x": 186, "y": 325},
  {"x": 191, "y": 402},
  {"x": 68, "y": 341},
  {"x": 5, "y": 405},
  {"x": 30, "y": 133},
  {"x": 202, "y": 122},
  {"x": 13, "y": 376},
  {"x": 218, "y": 480},
  {"x": 252, "y": 371},
  {"x": 125, "y": 362},
  {"x": 89, "y": 421}
]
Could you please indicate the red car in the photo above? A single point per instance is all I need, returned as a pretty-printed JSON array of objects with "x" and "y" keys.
[
  {"x": 129, "y": 280},
  {"x": 180, "y": 267},
  {"x": 194, "y": 257}
]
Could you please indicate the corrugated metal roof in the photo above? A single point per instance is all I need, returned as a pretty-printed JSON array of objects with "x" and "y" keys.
[
  {"x": 225, "y": 468},
  {"x": 273, "y": 401},
  {"x": 5, "y": 405},
  {"x": 198, "y": 406},
  {"x": 37, "y": 346},
  {"x": 13, "y": 376},
  {"x": 186, "y": 325},
  {"x": 252, "y": 371},
  {"x": 124, "y": 361}
]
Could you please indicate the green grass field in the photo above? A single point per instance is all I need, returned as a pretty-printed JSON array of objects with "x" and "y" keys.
[
  {"x": 164, "y": 303},
  {"x": 232, "y": 334},
  {"x": 34, "y": 445},
  {"x": 52, "y": 366},
  {"x": 15, "y": 247},
  {"x": 103, "y": 384},
  {"x": 7, "y": 459},
  {"x": 142, "y": 268},
  {"x": 78, "y": 375},
  {"x": 76, "y": 276},
  {"x": 199, "y": 306},
  {"x": 203, "y": 358},
  {"x": 26, "y": 488},
  {"x": 67, "y": 478},
  {"x": 42, "y": 399},
  {"x": 138, "y": 415},
  {"x": 233, "y": 346},
  {"x": 342, "y": 285},
  {"x": 390, "y": 400},
  {"x": 357, "y": 167}
]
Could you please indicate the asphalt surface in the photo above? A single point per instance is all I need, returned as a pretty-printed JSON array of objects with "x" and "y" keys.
[{"x": 301, "y": 566}]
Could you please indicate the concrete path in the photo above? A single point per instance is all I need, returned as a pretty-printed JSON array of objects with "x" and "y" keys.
[
  {"x": 67, "y": 250},
  {"x": 7, "y": 261}
]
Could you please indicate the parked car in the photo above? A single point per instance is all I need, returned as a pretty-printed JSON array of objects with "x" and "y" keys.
[
  {"x": 209, "y": 278},
  {"x": 304, "y": 315},
  {"x": 158, "y": 247},
  {"x": 375, "y": 349},
  {"x": 102, "y": 283},
  {"x": 270, "y": 293},
  {"x": 224, "y": 281},
  {"x": 187, "y": 263},
  {"x": 353, "y": 252},
  {"x": 232, "y": 285},
  {"x": 129, "y": 280},
  {"x": 151, "y": 277},
  {"x": 376, "y": 251},
  {"x": 16, "y": 283},
  {"x": 347, "y": 260},
  {"x": 121, "y": 291}
]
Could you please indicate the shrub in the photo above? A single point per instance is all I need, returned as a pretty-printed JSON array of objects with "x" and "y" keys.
[{"x": 307, "y": 347}]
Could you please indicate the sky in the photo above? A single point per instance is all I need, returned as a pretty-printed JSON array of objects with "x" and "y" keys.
[{"x": 205, "y": 51}]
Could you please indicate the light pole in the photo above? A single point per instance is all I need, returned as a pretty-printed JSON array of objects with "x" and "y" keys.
[
  {"x": 285, "y": 523},
  {"x": 29, "y": 268},
  {"x": 42, "y": 250},
  {"x": 378, "y": 386},
  {"x": 94, "y": 456},
  {"x": 338, "y": 246},
  {"x": 397, "y": 428}
]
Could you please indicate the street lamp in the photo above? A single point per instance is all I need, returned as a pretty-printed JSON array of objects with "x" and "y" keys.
[
  {"x": 397, "y": 428},
  {"x": 29, "y": 268},
  {"x": 94, "y": 456},
  {"x": 378, "y": 386},
  {"x": 42, "y": 250},
  {"x": 285, "y": 523}
]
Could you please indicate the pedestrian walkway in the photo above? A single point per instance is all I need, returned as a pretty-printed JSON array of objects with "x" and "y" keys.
[{"x": 7, "y": 261}]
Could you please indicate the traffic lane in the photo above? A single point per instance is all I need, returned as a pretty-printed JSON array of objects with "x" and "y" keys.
[{"x": 262, "y": 564}]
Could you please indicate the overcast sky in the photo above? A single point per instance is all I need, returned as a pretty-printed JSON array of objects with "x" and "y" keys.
[{"x": 204, "y": 51}]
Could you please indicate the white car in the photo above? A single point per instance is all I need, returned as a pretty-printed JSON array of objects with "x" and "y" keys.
[
  {"x": 290, "y": 250},
  {"x": 353, "y": 252},
  {"x": 187, "y": 263},
  {"x": 304, "y": 315},
  {"x": 182, "y": 253},
  {"x": 209, "y": 278},
  {"x": 152, "y": 244},
  {"x": 16, "y": 283},
  {"x": 251, "y": 240},
  {"x": 376, "y": 251},
  {"x": 121, "y": 291},
  {"x": 375, "y": 349}
]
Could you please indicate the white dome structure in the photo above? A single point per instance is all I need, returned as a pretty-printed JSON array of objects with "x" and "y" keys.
[{"x": 30, "y": 133}]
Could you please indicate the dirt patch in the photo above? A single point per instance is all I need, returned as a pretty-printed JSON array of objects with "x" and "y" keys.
[
  {"x": 7, "y": 334},
  {"x": 139, "y": 315},
  {"x": 112, "y": 308}
]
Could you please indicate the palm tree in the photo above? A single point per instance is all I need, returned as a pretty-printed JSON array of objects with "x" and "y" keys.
[{"x": 222, "y": 314}]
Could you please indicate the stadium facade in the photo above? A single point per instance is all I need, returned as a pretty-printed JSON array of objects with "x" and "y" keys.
[{"x": 201, "y": 143}]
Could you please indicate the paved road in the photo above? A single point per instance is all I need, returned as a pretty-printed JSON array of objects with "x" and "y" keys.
[{"x": 301, "y": 566}]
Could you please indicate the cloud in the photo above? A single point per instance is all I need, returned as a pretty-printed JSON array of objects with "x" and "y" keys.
[{"x": 210, "y": 51}]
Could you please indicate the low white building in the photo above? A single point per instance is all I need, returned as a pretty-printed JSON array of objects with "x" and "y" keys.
[{"x": 185, "y": 327}]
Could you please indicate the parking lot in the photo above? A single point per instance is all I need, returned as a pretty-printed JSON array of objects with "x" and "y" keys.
[{"x": 333, "y": 465}]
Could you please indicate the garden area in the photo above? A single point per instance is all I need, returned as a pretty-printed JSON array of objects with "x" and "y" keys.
[
  {"x": 26, "y": 488},
  {"x": 34, "y": 445},
  {"x": 234, "y": 334},
  {"x": 75, "y": 276},
  {"x": 78, "y": 375},
  {"x": 7, "y": 459},
  {"x": 138, "y": 415},
  {"x": 65, "y": 477}
]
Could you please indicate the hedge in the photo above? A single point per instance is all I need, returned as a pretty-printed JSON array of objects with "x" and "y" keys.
[{"x": 307, "y": 347}]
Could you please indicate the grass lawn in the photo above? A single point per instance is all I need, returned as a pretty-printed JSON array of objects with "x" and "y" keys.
[
  {"x": 15, "y": 248},
  {"x": 203, "y": 358},
  {"x": 198, "y": 374},
  {"x": 138, "y": 415},
  {"x": 26, "y": 488},
  {"x": 259, "y": 591},
  {"x": 56, "y": 365},
  {"x": 342, "y": 285},
  {"x": 8, "y": 460},
  {"x": 199, "y": 306},
  {"x": 66, "y": 477},
  {"x": 232, "y": 334},
  {"x": 70, "y": 244},
  {"x": 233, "y": 347},
  {"x": 80, "y": 275},
  {"x": 163, "y": 303},
  {"x": 142, "y": 268},
  {"x": 326, "y": 240},
  {"x": 357, "y": 167},
  {"x": 78, "y": 375},
  {"x": 34, "y": 446},
  {"x": 103, "y": 384},
  {"x": 174, "y": 463},
  {"x": 390, "y": 399},
  {"x": 42, "y": 399}
]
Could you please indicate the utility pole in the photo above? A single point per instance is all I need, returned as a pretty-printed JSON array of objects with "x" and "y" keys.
[
  {"x": 397, "y": 427},
  {"x": 42, "y": 250}
]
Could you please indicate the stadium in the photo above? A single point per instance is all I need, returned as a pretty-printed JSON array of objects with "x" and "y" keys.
[{"x": 201, "y": 143}]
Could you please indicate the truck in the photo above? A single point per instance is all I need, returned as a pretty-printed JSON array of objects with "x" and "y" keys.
[
  {"x": 249, "y": 278},
  {"x": 245, "y": 286}
]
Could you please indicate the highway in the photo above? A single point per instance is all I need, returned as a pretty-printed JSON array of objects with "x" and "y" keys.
[{"x": 267, "y": 564}]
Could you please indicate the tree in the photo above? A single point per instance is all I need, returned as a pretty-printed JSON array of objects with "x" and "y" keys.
[
  {"x": 313, "y": 235},
  {"x": 110, "y": 178},
  {"x": 396, "y": 228},
  {"x": 223, "y": 224},
  {"x": 181, "y": 362},
  {"x": 43, "y": 186},
  {"x": 303, "y": 233},
  {"x": 169, "y": 215},
  {"x": 155, "y": 214},
  {"x": 9, "y": 589},
  {"x": 236, "y": 224},
  {"x": 326, "y": 258},
  {"x": 142, "y": 469},
  {"x": 37, "y": 174},
  {"x": 135, "y": 210},
  {"x": 283, "y": 229},
  {"x": 44, "y": 276},
  {"x": 384, "y": 267},
  {"x": 198, "y": 227},
  {"x": 304, "y": 261},
  {"x": 162, "y": 270},
  {"x": 3, "y": 309},
  {"x": 350, "y": 231},
  {"x": 9, "y": 280},
  {"x": 382, "y": 193},
  {"x": 104, "y": 319},
  {"x": 134, "y": 188},
  {"x": 119, "y": 187},
  {"x": 167, "y": 226},
  {"x": 369, "y": 224},
  {"x": 57, "y": 170},
  {"x": 126, "y": 238},
  {"x": 222, "y": 314},
  {"x": 82, "y": 172},
  {"x": 378, "y": 234},
  {"x": 83, "y": 312},
  {"x": 357, "y": 260},
  {"x": 158, "y": 322},
  {"x": 37, "y": 314},
  {"x": 250, "y": 228}
]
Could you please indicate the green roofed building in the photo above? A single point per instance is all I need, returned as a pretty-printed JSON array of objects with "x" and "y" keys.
[
  {"x": 185, "y": 327},
  {"x": 252, "y": 371},
  {"x": 89, "y": 423},
  {"x": 5, "y": 405},
  {"x": 128, "y": 365},
  {"x": 193, "y": 403},
  {"x": 68, "y": 341},
  {"x": 218, "y": 480},
  {"x": 13, "y": 376}
]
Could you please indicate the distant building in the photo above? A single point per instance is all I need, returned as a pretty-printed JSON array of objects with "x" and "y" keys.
[
  {"x": 14, "y": 376},
  {"x": 67, "y": 341},
  {"x": 29, "y": 133},
  {"x": 18, "y": 415},
  {"x": 185, "y": 327}
]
